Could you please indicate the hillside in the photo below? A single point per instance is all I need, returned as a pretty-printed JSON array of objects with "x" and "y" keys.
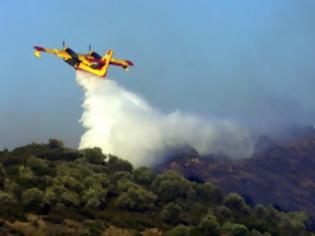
[
  {"x": 280, "y": 173},
  {"x": 47, "y": 189}
]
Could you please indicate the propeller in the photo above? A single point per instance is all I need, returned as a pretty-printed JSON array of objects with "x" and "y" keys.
[
  {"x": 89, "y": 47},
  {"x": 63, "y": 44}
]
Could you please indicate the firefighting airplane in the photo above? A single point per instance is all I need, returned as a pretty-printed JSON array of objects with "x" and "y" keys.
[{"x": 91, "y": 62}]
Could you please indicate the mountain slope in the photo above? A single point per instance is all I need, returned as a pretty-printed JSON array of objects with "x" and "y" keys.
[
  {"x": 279, "y": 173},
  {"x": 48, "y": 189}
]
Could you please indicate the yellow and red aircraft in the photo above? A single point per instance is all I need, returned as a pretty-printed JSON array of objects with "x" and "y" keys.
[{"x": 91, "y": 62}]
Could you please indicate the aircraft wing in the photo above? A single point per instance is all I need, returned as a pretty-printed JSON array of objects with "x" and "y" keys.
[
  {"x": 60, "y": 53},
  {"x": 121, "y": 62}
]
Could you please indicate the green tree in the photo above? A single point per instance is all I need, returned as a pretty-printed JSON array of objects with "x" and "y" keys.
[
  {"x": 59, "y": 194},
  {"x": 124, "y": 185},
  {"x": 292, "y": 223},
  {"x": 77, "y": 170},
  {"x": 50, "y": 197},
  {"x": 71, "y": 183},
  {"x": 115, "y": 164},
  {"x": 136, "y": 199},
  {"x": 171, "y": 214},
  {"x": 180, "y": 230},
  {"x": 70, "y": 198},
  {"x": 94, "y": 155},
  {"x": 12, "y": 187},
  {"x": 222, "y": 213},
  {"x": 97, "y": 179},
  {"x": 119, "y": 175},
  {"x": 37, "y": 165},
  {"x": 94, "y": 197},
  {"x": 209, "y": 192},
  {"x": 208, "y": 225},
  {"x": 8, "y": 204},
  {"x": 2, "y": 176},
  {"x": 235, "y": 229},
  {"x": 32, "y": 199},
  {"x": 25, "y": 176},
  {"x": 170, "y": 185},
  {"x": 236, "y": 203},
  {"x": 144, "y": 175},
  {"x": 255, "y": 232},
  {"x": 55, "y": 143},
  {"x": 260, "y": 211}
]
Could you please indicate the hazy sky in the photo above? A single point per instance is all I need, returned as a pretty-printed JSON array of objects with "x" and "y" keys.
[{"x": 250, "y": 61}]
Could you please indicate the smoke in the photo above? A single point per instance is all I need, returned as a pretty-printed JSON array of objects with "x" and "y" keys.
[{"x": 122, "y": 123}]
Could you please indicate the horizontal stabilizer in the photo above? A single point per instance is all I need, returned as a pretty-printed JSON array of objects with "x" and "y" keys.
[{"x": 37, "y": 53}]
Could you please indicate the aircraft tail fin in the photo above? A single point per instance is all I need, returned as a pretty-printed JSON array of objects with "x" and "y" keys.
[
  {"x": 108, "y": 55},
  {"x": 38, "y": 51}
]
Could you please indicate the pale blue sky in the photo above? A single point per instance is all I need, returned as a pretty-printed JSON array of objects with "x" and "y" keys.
[{"x": 249, "y": 60}]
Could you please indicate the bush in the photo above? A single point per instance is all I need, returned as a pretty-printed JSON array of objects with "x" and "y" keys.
[
  {"x": 55, "y": 143},
  {"x": 32, "y": 199},
  {"x": 71, "y": 183},
  {"x": 119, "y": 175},
  {"x": 292, "y": 223},
  {"x": 37, "y": 165},
  {"x": 170, "y": 185},
  {"x": 124, "y": 185},
  {"x": 235, "y": 229},
  {"x": 144, "y": 175},
  {"x": 136, "y": 199},
  {"x": 94, "y": 155},
  {"x": 209, "y": 192},
  {"x": 115, "y": 164},
  {"x": 208, "y": 226},
  {"x": 8, "y": 204},
  {"x": 236, "y": 203},
  {"x": 257, "y": 233},
  {"x": 171, "y": 214},
  {"x": 179, "y": 230},
  {"x": 50, "y": 197},
  {"x": 2, "y": 176},
  {"x": 70, "y": 198},
  {"x": 12, "y": 187},
  {"x": 97, "y": 179},
  {"x": 222, "y": 213},
  {"x": 25, "y": 176},
  {"x": 94, "y": 197}
]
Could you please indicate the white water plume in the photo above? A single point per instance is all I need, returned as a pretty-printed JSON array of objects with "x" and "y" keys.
[{"x": 123, "y": 124}]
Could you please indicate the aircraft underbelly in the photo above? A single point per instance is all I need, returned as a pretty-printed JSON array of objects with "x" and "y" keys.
[{"x": 72, "y": 61}]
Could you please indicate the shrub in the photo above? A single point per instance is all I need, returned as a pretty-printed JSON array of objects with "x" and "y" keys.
[
  {"x": 171, "y": 214},
  {"x": 115, "y": 164},
  {"x": 94, "y": 197},
  {"x": 171, "y": 185},
  {"x": 55, "y": 143},
  {"x": 25, "y": 176},
  {"x": 8, "y": 204},
  {"x": 144, "y": 175},
  {"x": 235, "y": 229},
  {"x": 94, "y": 155},
  {"x": 208, "y": 226},
  {"x": 179, "y": 230},
  {"x": 209, "y": 192},
  {"x": 2, "y": 176},
  {"x": 236, "y": 203},
  {"x": 136, "y": 199},
  {"x": 32, "y": 199},
  {"x": 37, "y": 165}
]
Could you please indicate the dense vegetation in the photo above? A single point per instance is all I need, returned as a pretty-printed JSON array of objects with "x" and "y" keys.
[{"x": 47, "y": 189}]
